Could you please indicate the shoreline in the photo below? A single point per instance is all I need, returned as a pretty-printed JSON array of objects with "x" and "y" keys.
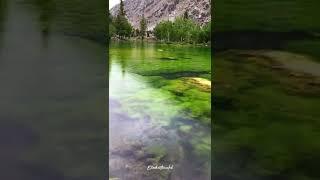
[{"x": 149, "y": 40}]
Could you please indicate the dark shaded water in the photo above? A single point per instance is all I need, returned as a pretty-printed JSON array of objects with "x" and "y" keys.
[
  {"x": 52, "y": 109},
  {"x": 266, "y": 116},
  {"x": 257, "y": 39}
]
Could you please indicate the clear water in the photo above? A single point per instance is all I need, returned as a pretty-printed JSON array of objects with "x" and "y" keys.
[
  {"x": 149, "y": 123},
  {"x": 53, "y": 102}
]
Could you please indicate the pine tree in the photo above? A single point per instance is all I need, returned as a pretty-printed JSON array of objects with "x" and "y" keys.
[
  {"x": 121, "y": 9},
  {"x": 143, "y": 27},
  {"x": 186, "y": 15},
  {"x": 123, "y": 27}
]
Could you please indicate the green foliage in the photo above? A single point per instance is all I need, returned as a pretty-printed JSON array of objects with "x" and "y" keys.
[
  {"x": 122, "y": 26},
  {"x": 186, "y": 15},
  {"x": 112, "y": 28},
  {"x": 163, "y": 30},
  {"x": 143, "y": 27},
  {"x": 121, "y": 9},
  {"x": 183, "y": 29}
]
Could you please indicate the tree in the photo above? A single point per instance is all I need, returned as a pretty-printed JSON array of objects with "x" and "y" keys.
[
  {"x": 121, "y": 9},
  {"x": 164, "y": 31},
  {"x": 112, "y": 29},
  {"x": 183, "y": 30},
  {"x": 186, "y": 15},
  {"x": 136, "y": 32},
  {"x": 122, "y": 25},
  {"x": 143, "y": 27},
  {"x": 207, "y": 30}
]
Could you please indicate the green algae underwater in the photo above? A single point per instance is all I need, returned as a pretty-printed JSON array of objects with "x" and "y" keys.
[
  {"x": 266, "y": 116},
  {"x": 267, "y": 90},
  {"x": 160, "y": 110}
]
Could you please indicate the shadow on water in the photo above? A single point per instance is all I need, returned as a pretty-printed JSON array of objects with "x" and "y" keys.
[
  {"x": 46, "y": 10},
  {"x": 3, "y": 13},
  {"x": 52, "y": 108}
]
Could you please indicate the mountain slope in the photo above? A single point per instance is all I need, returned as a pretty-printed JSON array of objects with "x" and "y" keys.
[{"x": 157, "y": 10}]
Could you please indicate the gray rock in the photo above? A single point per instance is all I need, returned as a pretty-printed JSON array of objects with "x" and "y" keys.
[{"x": 157, "y": 10}]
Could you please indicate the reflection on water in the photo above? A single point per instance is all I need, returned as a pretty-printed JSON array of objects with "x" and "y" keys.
[
  {"x": 52, "y": 108},
  {"x": 148, "y": 123},
  {"x": 3, "y": 13},
  {"x": 46, "y": 10}
]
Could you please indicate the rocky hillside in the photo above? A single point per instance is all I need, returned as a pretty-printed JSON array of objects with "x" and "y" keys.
[{"x": 157, "y": 10}]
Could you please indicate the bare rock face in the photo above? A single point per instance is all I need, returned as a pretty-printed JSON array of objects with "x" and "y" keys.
[{"x": 158, "y": 10}]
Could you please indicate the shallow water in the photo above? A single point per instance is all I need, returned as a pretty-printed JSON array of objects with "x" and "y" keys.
[
  {"x": 52, "y": 108},
  {"x": 150, "y": 122},
  {"x": 265, "y": 115}
]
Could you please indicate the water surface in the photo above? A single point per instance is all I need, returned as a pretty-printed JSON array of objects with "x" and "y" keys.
[
  {"x": 157, "y": 116},
  {"x": 52, "y": 108}
]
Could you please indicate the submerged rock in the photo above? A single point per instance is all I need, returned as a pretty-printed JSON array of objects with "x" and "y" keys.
[
  {"x": 185, "y": 128},
  {"x": 169, "y": 58},
  {"x": 298, "y": 74},
  {"x": 201, "y": 83}
]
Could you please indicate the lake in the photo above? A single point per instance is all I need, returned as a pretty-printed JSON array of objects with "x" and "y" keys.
[
  {"x": 53, "y": 115},
  {"x": 53, "y": 98},
  {"x": 159, "y": 111},
  {"x": 266, "y": 115}
]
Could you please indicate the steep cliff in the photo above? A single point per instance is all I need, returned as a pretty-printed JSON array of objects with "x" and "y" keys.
[{"x": 157, "y": 10}]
